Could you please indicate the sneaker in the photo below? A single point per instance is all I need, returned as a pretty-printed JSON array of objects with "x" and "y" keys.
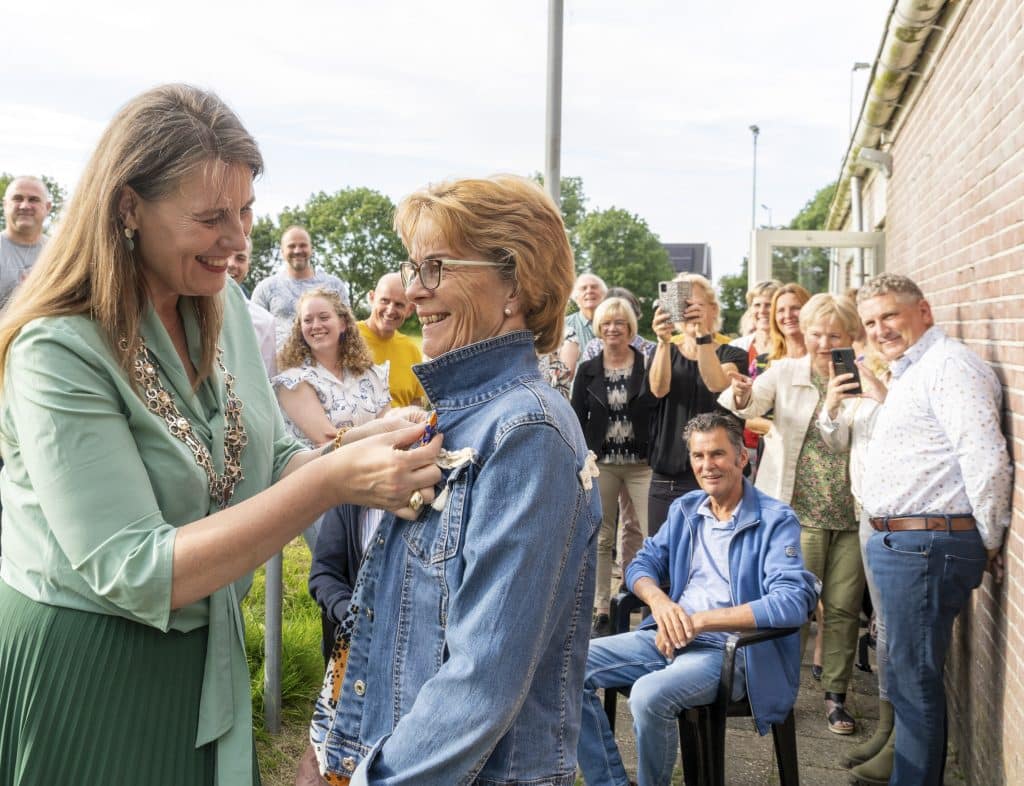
[{"x": 602, "y": 626}]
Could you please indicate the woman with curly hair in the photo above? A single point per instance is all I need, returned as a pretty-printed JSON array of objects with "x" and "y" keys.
[{"x": 330, "y": 381}]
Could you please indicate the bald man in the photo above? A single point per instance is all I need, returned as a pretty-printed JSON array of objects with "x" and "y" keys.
[
  {"x": 280, "y": 292},
  {"x": 587, "y": 293},
  {"x": 389, "y": 308},
  {"x": 26, "y": 206}
]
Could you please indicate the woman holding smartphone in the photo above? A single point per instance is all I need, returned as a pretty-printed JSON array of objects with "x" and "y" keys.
[
  {"x": 688, "y": 371},
  {"x": 798, "y": 468}
]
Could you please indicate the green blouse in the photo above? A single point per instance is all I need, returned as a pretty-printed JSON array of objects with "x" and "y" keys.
[
  {"x": 94, "y": 487},
  {"x": 821, "y": 490}
]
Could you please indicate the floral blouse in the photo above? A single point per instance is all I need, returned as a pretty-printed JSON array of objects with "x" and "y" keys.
[
  {"x": 821, "y": 491},
  {"x": 620, "y": 440},
  {"x": 350, "y": 401}
]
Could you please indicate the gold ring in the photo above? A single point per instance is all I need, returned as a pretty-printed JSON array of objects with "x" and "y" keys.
[{"x": 416, "y": 501}]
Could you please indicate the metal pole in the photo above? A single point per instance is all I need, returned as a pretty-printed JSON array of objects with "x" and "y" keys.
[
  {"x": 272, "y": 645},
  {"x": 857, "y": 214},
  {"x": 854, "y": 69},
  {"x": 753, "y": 196},
  {"x": 553, "y": 125}
]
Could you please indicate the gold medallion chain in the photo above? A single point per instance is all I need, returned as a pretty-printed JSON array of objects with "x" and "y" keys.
[{"x": 160, "y": 402}]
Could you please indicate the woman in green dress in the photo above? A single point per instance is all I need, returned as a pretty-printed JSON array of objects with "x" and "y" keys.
[
  {"x": 798, "y": 468},
  {"x": 147, "y": 468}
]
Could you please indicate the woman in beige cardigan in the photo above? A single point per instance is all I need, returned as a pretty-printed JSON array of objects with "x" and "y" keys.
[{"x": 798, "y": 469}]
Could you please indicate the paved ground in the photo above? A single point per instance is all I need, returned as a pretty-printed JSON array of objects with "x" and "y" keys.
[{"x": 750, "y": 758}]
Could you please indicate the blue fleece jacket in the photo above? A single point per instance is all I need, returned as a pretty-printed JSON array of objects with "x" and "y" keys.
[{"x": 766, "y": 570}]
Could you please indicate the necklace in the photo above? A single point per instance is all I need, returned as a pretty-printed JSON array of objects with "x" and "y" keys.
[{"x": 161, "y": 403}]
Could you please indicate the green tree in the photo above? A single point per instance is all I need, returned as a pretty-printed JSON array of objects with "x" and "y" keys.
[
  {"x": 266, "y": 236},
  {"x": 732, "y": 296},
  {"x": 574, "y": 207},
  {"x": 58, "y": 196},
  {"x": 620, "y": 248},
  {"x": 806, "y": 266},
  {"x": 352, "y": 237}
]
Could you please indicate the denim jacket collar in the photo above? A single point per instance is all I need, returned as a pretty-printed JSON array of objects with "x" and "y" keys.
[{"x": 479, "y": 371}]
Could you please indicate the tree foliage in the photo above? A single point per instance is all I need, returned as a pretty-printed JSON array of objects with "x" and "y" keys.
[
  {"x": 58, "y": 196},
  {"x": 807, "y": 266},
  {"x": 732, "y": 297},
  {"x": 352, "y": 235},
  {"x": 620, "y": 248},
  {"x": 573, "y": 207}
]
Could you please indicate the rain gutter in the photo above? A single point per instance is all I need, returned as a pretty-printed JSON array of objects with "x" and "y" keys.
[{"x": 902, "y": 57}]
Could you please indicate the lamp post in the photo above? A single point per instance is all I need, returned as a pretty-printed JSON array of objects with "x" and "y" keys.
[
  {"x": 553, "y": 125},
  {"x": 753, "y": 196},
  {"x": 768, "y": 210},
  {"x": 858, "y": 66}
]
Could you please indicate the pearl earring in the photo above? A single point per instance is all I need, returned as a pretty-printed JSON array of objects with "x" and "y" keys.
[
  {"x": 129, "y": 238},
  {"x": 508, "y": 311}
]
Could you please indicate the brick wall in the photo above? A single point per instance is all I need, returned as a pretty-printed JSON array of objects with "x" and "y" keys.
[{"x": 955, "y": 223}]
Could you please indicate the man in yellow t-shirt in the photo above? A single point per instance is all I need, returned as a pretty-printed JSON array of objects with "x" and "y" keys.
[{"x": 389, "y": 308}]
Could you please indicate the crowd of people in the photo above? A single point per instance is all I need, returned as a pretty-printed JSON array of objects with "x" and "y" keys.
[{"x": 471, "y": 505}]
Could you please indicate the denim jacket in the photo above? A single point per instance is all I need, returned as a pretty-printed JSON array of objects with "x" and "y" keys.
[
  {"x": 766, "y": 570},
  {"x": 472, "y": 622}
]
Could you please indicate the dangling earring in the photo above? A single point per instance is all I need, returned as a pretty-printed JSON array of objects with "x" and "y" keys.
[
  {"x": 129, "y": 238},
  {"x": 508, "y": 311}
]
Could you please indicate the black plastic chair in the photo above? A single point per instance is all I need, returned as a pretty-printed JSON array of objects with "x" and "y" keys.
[{"x": 702, "y": 729}]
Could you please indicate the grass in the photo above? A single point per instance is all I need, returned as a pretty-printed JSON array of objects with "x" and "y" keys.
[{"x": 302, "y": 667}]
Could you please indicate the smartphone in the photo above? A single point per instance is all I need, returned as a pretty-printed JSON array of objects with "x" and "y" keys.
[
  {"x": 673, "y": 297},
  {"x": 844, "y": 362}
]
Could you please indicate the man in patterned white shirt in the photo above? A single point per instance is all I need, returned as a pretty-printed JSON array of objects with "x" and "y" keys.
[
  {"x": 279, "y": 293},
  {"x": 937, "y": 490}
]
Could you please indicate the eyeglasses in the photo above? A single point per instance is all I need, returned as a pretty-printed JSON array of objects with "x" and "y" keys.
[{"x": 429, "y": 270}]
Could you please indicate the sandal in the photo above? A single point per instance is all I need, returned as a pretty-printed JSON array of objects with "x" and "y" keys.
[
  {"x": 816, "y": 671},
  {"x": 839, "y": 720}
]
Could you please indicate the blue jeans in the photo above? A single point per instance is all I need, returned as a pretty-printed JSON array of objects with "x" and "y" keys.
[
  {"x": 660, "y": 690},
  {"x": 924, "y": 579}
]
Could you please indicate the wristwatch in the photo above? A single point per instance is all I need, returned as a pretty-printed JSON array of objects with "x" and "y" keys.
[{"x": 706, "y": 339}]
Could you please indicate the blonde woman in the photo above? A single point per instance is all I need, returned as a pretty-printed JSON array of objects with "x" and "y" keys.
[
  {"x": 329, "y": 380},
  {"x": 612, "y": 399},
  {"x": 799, "y": 469},
  {"x": 785, "y": 337},
  {"x": 690, "y": 367}
]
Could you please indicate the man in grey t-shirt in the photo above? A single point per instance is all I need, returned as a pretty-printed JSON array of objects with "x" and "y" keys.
[
  {"x": 280, "y": 293},
  {"x": 26, "y": 206}
]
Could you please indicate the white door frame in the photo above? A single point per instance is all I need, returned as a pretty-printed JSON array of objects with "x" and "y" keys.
[{"x": 762, "y": 241}]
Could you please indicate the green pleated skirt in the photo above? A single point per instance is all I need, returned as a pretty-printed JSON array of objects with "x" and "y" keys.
[{"x": 94, "y": 699}]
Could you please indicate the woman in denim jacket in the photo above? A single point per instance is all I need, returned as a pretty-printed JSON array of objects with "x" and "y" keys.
[{"x": 469, "y": 625}]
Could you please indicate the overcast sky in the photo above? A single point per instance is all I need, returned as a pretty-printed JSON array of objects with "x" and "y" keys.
[{"x": 658, "y": 95}]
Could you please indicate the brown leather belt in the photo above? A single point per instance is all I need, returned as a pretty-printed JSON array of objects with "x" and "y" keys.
[{"x": 903, "y": 523}]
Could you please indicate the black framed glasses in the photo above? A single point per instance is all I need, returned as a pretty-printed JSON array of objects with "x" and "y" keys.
[{"x": 429, "y": 270}]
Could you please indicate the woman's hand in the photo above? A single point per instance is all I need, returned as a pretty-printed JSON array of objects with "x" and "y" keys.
[
  {"x": 413, "y": 414},
  {"x": 759, "y": 426},
  {"x": 840, "y": 387},
  {"x": 383, "y": 471},
  {"x": 698, "y": 313},
  {"x": 741, "y": 387},
  {"x": 662, "y": 325},
  {"x": 873, "y": 387}
]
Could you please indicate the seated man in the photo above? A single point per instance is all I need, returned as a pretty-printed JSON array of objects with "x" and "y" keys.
[{"x": 726, "y": 544}]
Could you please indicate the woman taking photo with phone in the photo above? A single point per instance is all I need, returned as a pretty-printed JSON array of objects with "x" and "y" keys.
[
  {"x": 688, "y": 371},
  {"x": 800, "y": 470}
]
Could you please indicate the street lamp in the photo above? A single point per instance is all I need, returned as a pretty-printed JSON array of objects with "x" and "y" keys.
[
  {"x": 753, "y": 197},
  {"x": 768, "y": 210},
  {"x": 856, "y": 67}
]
